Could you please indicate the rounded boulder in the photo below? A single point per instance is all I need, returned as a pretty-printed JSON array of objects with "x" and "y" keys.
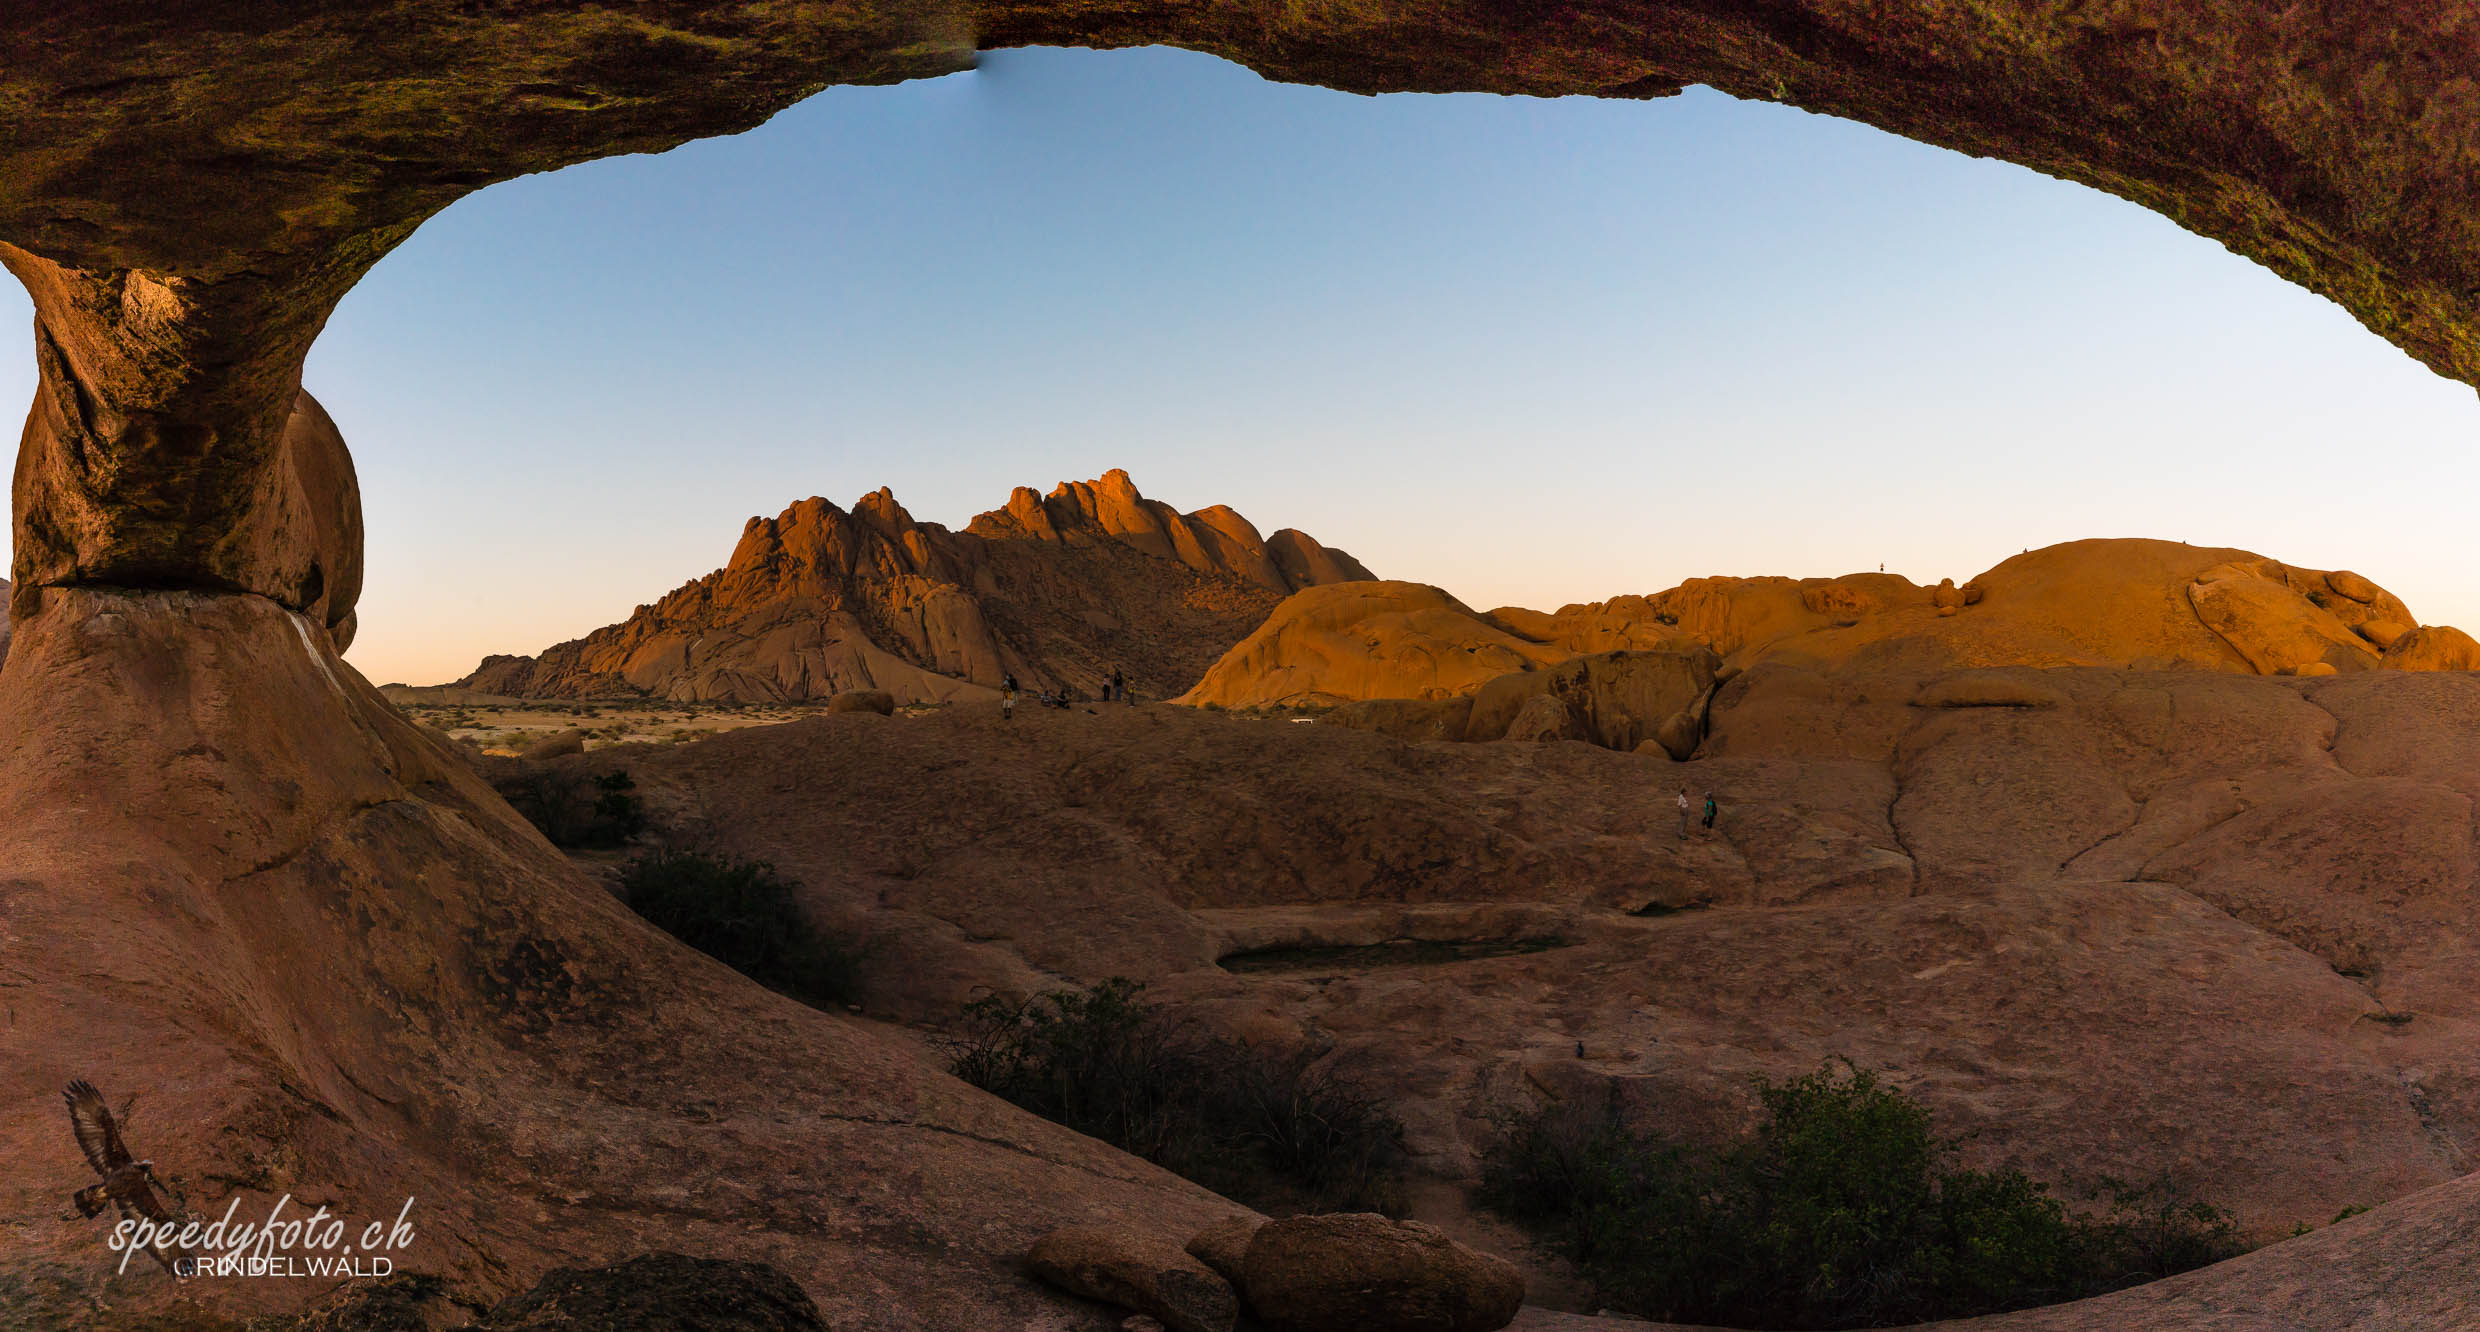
[
  {"x": 1139, "y": 1270},
  {"x": 1360, "y": 1272}
]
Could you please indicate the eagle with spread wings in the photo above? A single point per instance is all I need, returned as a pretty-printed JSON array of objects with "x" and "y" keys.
[{"x": 128, "y": 1184}]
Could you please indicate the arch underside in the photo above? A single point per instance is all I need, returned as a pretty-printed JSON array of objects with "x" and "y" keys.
[{"x": 248, "y": 162}]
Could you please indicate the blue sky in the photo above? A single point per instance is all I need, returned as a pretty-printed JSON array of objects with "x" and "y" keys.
[{"x": 1532, "y": 351}]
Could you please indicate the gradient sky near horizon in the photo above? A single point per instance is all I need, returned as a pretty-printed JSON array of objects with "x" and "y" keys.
[{"x": 1532, "y": 351}]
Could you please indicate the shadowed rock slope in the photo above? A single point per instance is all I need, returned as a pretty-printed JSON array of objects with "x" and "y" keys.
[
  {"x": 332, "y": 964},
  {"x": 2196, "y": 924},
  {"x": 1058, "y": 591}
]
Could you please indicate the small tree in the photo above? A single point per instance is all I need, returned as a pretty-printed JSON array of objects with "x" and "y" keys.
[
  {"x": 744, "y": 915},
  {"x": 1841, "y": 1210},
  {"x": 1105, "y": 1062}
]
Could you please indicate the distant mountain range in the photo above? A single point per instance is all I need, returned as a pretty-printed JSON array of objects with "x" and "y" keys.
[{"x": 1058, "y": 590}]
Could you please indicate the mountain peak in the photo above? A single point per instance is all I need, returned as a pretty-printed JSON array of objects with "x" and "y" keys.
[{"x": 1057, "y": 591}]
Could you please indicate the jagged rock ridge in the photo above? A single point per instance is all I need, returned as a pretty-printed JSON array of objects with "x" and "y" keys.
[{"x": 1057, "y": 590}]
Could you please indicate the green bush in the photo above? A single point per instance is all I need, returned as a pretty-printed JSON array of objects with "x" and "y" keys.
[
  {"x": 1841, "y": 1210},
  {"x": 744, "y": 915},
  {"x": 1274, "y": 1131},
  {"x": 574, "y": 810}
]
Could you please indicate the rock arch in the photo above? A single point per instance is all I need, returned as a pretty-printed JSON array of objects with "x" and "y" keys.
[
  {"x": 189, "y": 190},
  {"x": 225, "y": 862}
]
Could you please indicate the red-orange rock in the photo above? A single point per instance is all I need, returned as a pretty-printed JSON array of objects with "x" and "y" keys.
[
  {"x": 1366, "y": 640},
  {"x": 2433, "y": 648},
  {"x": 1058, "y": 592}
]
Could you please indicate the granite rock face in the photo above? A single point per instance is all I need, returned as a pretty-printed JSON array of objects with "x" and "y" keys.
[
  {"x": 1057, "y": 591},
  {"x": 2119, "y": 603}
]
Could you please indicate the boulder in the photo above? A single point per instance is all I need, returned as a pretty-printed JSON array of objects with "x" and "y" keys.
[
  {"x": 1360, "y": 1272},
  {"x": 1224, "y": 1245},
  {"x": 2276, "y": 628},
  {"x": 2353, "y": 586},
  {"x": 1351, "y": 641},
  {"x": 2383, "y": 633},
  {"x": 1136, "y": 1268},
  {"x": 1946, "y": 596},
  {"x": 2434, "y": 647},
  {"x": 558, "y": 744},
  {"x": 1680, "y": 733},
  {"x": 864, "y": 700},
  {"x": 1544, "y": 717},
  {"x": 661, "y": 1292},
  {"x": 1404, "y": 718}
]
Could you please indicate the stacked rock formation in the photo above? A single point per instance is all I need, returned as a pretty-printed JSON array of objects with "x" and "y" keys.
[{"x": 1058, "y": 591}]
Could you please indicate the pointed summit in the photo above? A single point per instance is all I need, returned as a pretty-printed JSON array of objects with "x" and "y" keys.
[{"x": 1057, "y": 591}]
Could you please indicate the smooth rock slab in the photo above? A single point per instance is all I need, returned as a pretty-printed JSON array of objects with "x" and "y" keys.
[
  {"x": 1360, "y": 1272},
  {"x": 1137, "y": 1269}
]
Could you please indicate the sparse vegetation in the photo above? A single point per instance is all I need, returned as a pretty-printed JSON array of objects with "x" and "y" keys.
[
  {"x": 1842, "y": 1210},
  {"x": 576, "y": 810},
  {"x": 746, "y": 916},
  {"x": 1275, "y": 1131}
]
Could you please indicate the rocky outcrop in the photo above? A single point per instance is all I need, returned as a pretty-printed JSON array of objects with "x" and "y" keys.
[
  {"x": 1366, "y": 640},
  {"x": 1058, "y": 591},
  {"x": 4, "y": 620},
  {"x": 1618, "y": 700},
  {"x": 2126, "y": 603}
]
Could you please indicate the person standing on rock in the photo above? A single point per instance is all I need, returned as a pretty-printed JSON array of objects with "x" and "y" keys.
[
  {"x": 1007, "y": 697},
  {"x": 1683, "y": 811},
  {"x": 1711, "y": 809},
  {"x": 1119, "y": 687}
]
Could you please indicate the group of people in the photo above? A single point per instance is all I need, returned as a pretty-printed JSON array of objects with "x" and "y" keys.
[
  {"x": 1686, "y": 809},
  {"x": 1115, "y": 687}
]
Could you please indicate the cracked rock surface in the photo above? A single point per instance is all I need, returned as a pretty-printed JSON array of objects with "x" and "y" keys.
[{"x": 2194, "y": 923}]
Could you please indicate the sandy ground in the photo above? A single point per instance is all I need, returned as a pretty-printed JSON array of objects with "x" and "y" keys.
[{"x": 502, "y": 725}]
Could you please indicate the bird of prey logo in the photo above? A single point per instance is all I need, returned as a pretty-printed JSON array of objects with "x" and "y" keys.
[{"x": 128, "y": 1184}]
